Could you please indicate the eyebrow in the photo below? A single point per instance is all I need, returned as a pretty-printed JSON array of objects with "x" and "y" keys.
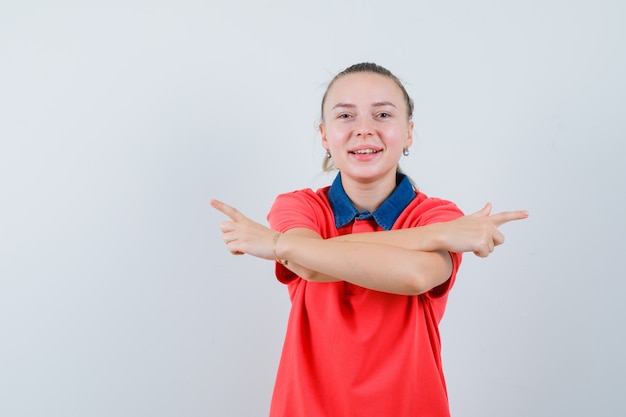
[{"x": 377, "y": 104}]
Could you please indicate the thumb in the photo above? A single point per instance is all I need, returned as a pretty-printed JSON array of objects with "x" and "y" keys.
[{"x": 485, "y": 211}]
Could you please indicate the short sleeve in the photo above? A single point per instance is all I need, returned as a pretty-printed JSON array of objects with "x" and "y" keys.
[
  {"x": 300, "y": 209},
  {"x": 295, "y": 209},
  {"x": 423, "y": 211}
]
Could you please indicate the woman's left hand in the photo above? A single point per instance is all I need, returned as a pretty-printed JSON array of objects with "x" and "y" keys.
[{"x": 243, "y": 235}]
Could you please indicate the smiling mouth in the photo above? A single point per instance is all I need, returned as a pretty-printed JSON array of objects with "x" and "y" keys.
[{"x": 365, "y": 151}]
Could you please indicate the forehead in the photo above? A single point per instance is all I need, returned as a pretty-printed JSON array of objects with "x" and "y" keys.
[{"x": 363, "y": 88}]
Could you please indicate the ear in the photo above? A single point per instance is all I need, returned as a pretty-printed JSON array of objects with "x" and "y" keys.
[
  {"x": 323, "y": 135},
  {"x": 409, "y": 136}
]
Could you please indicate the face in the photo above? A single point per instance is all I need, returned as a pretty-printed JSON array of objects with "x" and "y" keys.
[{"x": 366, "y": 126}]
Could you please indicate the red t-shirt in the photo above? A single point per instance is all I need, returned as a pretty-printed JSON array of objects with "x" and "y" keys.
[{"x": 354, "y": 352}]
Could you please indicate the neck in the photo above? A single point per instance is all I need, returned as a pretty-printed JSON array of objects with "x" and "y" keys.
[{"x": 368, "y": 196}]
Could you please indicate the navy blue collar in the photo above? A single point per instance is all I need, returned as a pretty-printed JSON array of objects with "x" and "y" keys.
[{"x": 385, "y": 215}]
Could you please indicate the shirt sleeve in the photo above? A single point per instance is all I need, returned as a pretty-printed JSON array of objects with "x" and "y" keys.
[
  {"x": 298, "y": 209},
  {"x": 295, "y": 209},
  {"x": 423, "y": 211}
]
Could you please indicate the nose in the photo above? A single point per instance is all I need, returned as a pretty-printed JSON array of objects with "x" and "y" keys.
[{"x": 363, "y": 128}]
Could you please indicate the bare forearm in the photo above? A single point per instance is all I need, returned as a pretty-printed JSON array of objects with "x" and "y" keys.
[
  {"x": 424, "y": 238},
  {"x": 477, "y": 233},
  {"x": 374, "y": 266}
]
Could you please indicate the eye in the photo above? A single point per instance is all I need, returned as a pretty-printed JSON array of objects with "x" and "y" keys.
[
  {"x": 384, "y": 115},
  {"x": 343, "y": 116}
]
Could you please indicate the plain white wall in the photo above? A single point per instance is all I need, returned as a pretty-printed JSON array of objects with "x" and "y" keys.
[{"x": 120, "y": 120}]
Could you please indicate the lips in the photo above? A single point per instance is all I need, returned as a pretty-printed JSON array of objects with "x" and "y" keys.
[{"x": 364, "y": 151}]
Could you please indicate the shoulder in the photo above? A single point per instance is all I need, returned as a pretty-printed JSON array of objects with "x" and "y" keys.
[
  {"x": 300, "y": 208},
  {"x": 425, "y": 210},
  {"x": 305, "y": 196}
]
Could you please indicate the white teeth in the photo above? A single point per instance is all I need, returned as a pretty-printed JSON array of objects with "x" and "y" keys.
[{"x": 365, "y": 151}]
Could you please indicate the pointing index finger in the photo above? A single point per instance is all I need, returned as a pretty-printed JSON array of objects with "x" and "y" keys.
[
  {"x": 506, "y": 216},
  {"x": 231, "y": 212}
]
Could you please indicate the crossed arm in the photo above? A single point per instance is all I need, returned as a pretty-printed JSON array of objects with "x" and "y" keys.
[{"x": 408, "y": 261}]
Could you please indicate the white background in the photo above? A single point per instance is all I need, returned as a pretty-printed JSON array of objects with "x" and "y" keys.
[{"x": 120, "y": 120}]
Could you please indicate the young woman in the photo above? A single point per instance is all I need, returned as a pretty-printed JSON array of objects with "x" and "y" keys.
[{"x": 368, "y": 261}]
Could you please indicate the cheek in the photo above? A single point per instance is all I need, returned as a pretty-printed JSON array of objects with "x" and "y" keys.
[
  {"x": 395, "y": 133},
  {"x": 336, "y": 135}
]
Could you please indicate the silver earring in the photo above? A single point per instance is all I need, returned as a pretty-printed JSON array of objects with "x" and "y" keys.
[
  {"x": 405, "y": 151},
  {"x": 328, "y": 154}
]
